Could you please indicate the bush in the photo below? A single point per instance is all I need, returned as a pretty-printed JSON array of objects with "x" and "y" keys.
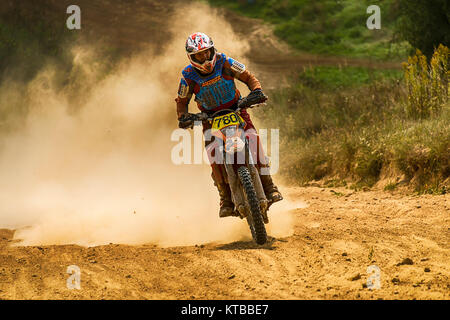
[
  {"x": 354, "y": 129},
  {"x": 423, "y": 23},
  {"x": 427, "y": 85}
]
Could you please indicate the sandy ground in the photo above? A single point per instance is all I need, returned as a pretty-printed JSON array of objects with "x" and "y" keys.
[{"x": 336, "y": 238}]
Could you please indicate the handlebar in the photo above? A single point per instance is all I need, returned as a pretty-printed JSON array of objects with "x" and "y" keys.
[{"x": 254, "y": 99}]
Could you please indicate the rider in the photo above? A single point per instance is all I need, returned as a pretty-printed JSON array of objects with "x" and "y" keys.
[{"x": 210, "y": 76}]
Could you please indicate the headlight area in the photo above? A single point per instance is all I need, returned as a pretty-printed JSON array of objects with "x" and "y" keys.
[{"x": 234, "y": 144}]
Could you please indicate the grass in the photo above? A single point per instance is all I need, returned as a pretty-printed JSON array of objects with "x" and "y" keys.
[
  {"x": 345, "y": 77},
  {"x": 327, "y": 26},
  {"x": 352, "y": 127},
  {"x": 391, "y": 186},
  {"x": 29, "y": 38},
  {"x": 32, "y": 36},
  {"x": 353, "y": 123}
]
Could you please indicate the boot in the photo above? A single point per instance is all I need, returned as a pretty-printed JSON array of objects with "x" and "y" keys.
[
  {"x": 271, "y": 191},
  {"x": 226, "y": 204}
]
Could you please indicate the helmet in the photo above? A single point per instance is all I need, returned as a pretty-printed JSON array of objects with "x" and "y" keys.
[{"x": 198, "y": 42}]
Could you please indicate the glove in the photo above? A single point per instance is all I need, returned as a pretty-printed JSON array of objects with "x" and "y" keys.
[
  {"x": 184, "y": 121},
  {"x": 258, "y": 95}
]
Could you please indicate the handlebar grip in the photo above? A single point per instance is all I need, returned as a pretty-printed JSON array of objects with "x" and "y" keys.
[{"x": 186, "y": 124}]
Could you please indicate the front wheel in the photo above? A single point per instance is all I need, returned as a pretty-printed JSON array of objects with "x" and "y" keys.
[{"x": 254, "y": 219}]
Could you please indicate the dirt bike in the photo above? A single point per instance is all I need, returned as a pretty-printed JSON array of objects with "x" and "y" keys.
[{"x": 247, "y": 192}]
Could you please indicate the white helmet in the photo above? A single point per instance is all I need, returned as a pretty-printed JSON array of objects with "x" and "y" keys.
[{"x": 196, "y": 43}]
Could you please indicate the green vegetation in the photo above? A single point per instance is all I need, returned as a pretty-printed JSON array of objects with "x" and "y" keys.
[
  {"x": 427, "y": 84},
  {"x": 32, "y": 36},
  {"x": 424, "y": 24},
  {"x": 326, "y": 77},
  {"x": 328, "y": 26},
  {"x": 354, "y": 123},
  {"x": 29, "y": 37},
  {"x": 390, "y": 186},
  {"x": 355, "y": 130}
]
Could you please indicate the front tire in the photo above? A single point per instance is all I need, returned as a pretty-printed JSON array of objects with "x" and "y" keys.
[{"x": 255, "y": 219}]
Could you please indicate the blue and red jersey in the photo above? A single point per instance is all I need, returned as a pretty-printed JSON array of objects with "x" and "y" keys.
[{"x": 216, "y": 90}]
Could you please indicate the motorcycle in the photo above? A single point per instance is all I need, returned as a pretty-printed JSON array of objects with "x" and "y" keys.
[{"x": 237, "y": 163}]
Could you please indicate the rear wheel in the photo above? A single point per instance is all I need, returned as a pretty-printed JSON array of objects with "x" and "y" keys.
[{"x": 255, "y": 219}]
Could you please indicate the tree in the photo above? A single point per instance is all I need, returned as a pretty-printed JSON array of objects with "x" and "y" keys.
[{"x": 424, "y": 23}]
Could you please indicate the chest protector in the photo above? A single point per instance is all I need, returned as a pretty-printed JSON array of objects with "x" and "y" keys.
[{"x": 215, "y": 90}]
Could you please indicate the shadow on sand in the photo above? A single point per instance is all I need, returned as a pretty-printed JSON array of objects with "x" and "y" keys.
[{"x": 247, "y": 245}]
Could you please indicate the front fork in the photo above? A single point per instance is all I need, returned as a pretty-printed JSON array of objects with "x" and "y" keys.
[{"x": 237, "y": 192}]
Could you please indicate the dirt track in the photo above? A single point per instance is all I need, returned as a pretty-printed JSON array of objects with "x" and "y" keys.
[{"x": 335, "y": 239}]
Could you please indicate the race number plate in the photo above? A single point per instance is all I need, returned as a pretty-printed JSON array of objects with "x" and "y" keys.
[{"x": 226, "y": 120}]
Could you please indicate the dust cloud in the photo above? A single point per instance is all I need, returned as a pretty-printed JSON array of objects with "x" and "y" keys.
[{"x": 102, "y": 173}]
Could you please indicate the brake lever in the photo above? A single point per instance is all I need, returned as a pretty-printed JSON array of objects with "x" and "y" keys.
[
  {"x": 260, "y": 104},
  {"x": 256, "y": 105}
]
